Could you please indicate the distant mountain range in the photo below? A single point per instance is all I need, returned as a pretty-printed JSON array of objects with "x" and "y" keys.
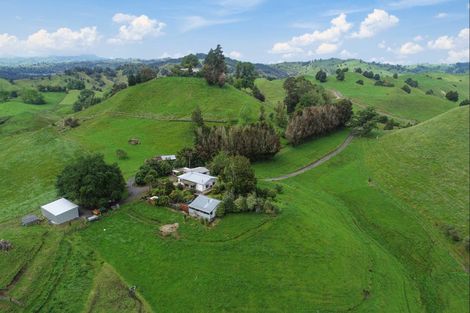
[{"x": 22, "y": 67}]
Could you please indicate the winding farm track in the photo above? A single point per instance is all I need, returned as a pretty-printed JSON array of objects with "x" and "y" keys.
[{"x": 316, "y": 163}]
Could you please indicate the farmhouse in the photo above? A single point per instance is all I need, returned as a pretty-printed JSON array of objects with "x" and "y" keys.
[
  {"x": 199, "y": 182},
  {"x": 204, "y": 207},
  {"x": 60, "y": 211},
  {"x": 170, "y": 157}
]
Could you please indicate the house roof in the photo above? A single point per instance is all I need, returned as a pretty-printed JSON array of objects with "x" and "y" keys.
[
  {"x": 29, "y": 219},
  {"x": 204, "y": 204},
  {"x": 197, "y": 178},
  {"x": 200, "y": 169},
  {"x": 59, "y": 206},
  {"x": 169, "y": 157}
]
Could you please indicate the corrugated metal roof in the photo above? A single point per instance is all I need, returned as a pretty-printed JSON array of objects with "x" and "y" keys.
[
  {"x": 204, "y": 204},
  {"x": 29, "y": 219},
  {"x": 197, "y": 178},
  {"x": 59, "y": 206}
]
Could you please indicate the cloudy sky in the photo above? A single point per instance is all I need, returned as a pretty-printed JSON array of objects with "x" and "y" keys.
[{"x": 395, "y": 31}]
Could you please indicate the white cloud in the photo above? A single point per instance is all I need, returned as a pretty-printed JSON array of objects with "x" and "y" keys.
[
  {"x": 382, "y": 44},
  {"x": 326, "y": 48},
  {"x": 194, "y": 22},
  {"x": 177, "y": 55},
  {"x": 339, "y": 26},
  {"x": 235, "y": 54},
  {"x": 410, "y": 48},
  {"x": 374, "y": 23},
  {"x": 135, "y": 28},
  {"x": 464, "y": 34},
  {"x": 418, "y": 38},
  {"x": 441, "y": 15},
  {"x": 7, "y": 43},
  {"x": 458, "y": 56},
  {"x": 443, "y": 43},
  {"x": 62, "y": 39}
]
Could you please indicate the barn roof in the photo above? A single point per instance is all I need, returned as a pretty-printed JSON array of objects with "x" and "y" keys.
[
  {"x": 59, "y": 206},
  {"x": 204, "y": 204}
]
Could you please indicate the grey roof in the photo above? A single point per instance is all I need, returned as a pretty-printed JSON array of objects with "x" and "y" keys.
[
  {"x": 200, "y": 169},
  {"x": 59, "y": 206},
  {"x": 28, "y": 219},
  {"x": 197, "y": 178},
  {"x": 204, "y": 204}
]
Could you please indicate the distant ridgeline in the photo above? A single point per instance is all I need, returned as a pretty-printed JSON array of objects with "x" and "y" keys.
[{"x": 19, "y": 68}]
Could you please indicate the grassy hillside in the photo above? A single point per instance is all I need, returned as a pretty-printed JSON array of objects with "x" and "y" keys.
[
  {"x": 177, "y": 97},
  {"x": 427, "y": 166}
]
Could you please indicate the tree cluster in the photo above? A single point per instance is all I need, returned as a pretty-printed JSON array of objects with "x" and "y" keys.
[
  {"x": 321, "y": 76},
  {"x": 411, "y": 82},
  {"x": 91, "y": 182},
  {"x": 32, "y": 96},
  {"x": 300, "y": 92},
  {"x": 256, "y": 141},
  {"x": 151, "y": 170},
  {"x": 143, "y": 75},
  {"x": 214, "y": 67},
  {"x": 86, "y": 99},
  {"x": 190, "y": 62},
  {"x": 43, "y": 88},
  {"x": 384, "y": 83},
  {"x": 75, "y": 84},
  {"x": 406, "y": 88},
  {"x": 245, "y": 75},
  {"x": 464, "y": 102},
  {"x": 452, "y": 96},
  {"x": 318, "y": 120},
  {"x": 364, "y": 121}
]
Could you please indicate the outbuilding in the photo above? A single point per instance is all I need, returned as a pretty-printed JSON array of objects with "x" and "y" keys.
[
  {"x": 60, "y": 211},
  {"x": 29, "y": 220},
  {"x": 204, "y": 207},
  {"x": 199, "y": 182}
]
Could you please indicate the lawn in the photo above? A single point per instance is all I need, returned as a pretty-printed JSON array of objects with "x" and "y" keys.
[{"x": 292, "y": 158}]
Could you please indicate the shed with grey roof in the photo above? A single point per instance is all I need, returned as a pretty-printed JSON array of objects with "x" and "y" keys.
[
  {"x": 29, "y": 220},
  {"x": 204, "y": 207},
  {"x": 60, "y": 211}
]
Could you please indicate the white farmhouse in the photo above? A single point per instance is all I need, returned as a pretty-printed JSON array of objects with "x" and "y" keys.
[
  {"x": 204, "y": 207},
  {"x": 199, "y": 182},
  {"x": 60, "y": 211}
]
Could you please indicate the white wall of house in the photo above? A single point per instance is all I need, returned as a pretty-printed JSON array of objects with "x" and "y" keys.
[
  {"x": 61, "y": 218},
  {"x": 203, "y": 215}
]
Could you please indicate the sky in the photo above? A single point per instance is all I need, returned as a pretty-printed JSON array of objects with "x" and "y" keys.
[{"x": 267, "y": 31}]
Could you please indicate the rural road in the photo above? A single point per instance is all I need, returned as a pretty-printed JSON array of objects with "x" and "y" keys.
[{"x": 315, "y": 163}]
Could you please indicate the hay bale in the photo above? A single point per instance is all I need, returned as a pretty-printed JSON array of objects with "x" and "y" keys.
[
  {"x": 5, "y": 245},
  {"x": 169, "y": 229}
]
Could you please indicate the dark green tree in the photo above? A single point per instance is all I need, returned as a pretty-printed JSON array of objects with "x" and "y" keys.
[
  {"x": 190, "y": 62},
  {"x": 197, "y": 118},
  {"x": 214, "y": 67},
  {"x": 91, "y": 182},
  {"x": 131, "y": 81},
  {"x": 32, "y": 96},
  {"x": 452, "y": 96},
  {"x": 340, "y": 76},
  {"x": 239, "y": 176},
  {"x": 406, "y": 88},
  {"x": 464, "y": 102},
  {"x": 321, "y": 76}
]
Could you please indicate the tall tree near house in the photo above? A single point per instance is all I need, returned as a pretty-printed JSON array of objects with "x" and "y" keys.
[
  {"x": 239, "y": 176},
  {"x": 197, "y": 118},
  {"x": 214, "y": 67}
]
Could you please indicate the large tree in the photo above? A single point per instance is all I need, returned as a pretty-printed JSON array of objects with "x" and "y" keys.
[
  {"x": 245, "y": 75},
  {"x": 214, "y": 67},
  {"x": 91, "y": 182},
  {"x": 301, "y": 92},
  {"x": 238, "y": 176}
]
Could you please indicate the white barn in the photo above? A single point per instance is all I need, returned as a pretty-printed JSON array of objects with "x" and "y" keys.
[
  {"x": 204, "y": 207},
  {"x": 199, "y": 182},
  {"x": 60, "y": 211}
]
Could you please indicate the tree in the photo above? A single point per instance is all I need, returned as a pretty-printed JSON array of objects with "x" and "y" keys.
[
  {"x": 376, "y": 77},
  {"x": 358, "y": 70},
  {"x": 131, "y": 80},
  {"x": 280, "y": 117},
  {"x": 239, "y": 176},
  {"x": 188, "y": 157},
  {"x": 91, "y": 182},
  {"x": 262, "y": 114},
  {"x": 121, "y": 154},
  {"x": 245, "y": 74},
  {"x": 464, "y": 102},
  {"x": 86, "y": 98},
  {"x": 190, "y": 61},
  {"x": 146, "y": 74},
  {"x": 300, "y": 91},
  {"x": 321, "y": 76},
  {"x": 214, "y": 67},
  {"x": 360, "y": 82},
  {"x": 196, "y": 117},
  {"x": 406, "y": 88},
  {"x": 32, "y": 96},
  {"x": 364, "y": 121},
  {"x": 452, "y": 96},
  {"x": 4, "y": 95},
  {"x": 340, "y": 76},
  {"x": 257, "y": 93},
  {"x": 395, "y": 75},
  {"x": 411, "y": 82},
  {"x": 219, "y": 163}
]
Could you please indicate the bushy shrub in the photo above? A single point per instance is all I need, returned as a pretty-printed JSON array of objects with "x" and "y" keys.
[
  {"x": 429, "y": 92},
  {"x": 321, "y": 76},
  {"x": 406, "y": 88},
  {"x": 32, "y": 96},
  {"x": 121, "y": 154},
  {"x": 452, "y": 96},
  {"x": 464, "y": 102},
  {"x": 411, "y": 82},
  {"x": 360, "y": 82}
]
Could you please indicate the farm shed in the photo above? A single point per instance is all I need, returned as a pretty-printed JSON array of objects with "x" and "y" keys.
[
  {"x": 204, "y": 207},
  {"x": 29, "y": 220},
  {"x": 199, "y": 182},
  {"x": 60, "y": 211}
]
